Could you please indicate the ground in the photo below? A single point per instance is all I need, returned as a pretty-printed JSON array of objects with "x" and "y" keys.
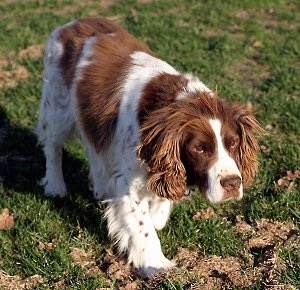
[{"x": 249, "y": 51}]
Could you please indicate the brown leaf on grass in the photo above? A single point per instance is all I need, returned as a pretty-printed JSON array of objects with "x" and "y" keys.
[
  {"x": 47, "y": 246},
  {"x": 290, "y": 175},
  {"x": 6, "y": 220},
  {"x": 288, "y": 180},
  {"x": 204, "y": 214}
]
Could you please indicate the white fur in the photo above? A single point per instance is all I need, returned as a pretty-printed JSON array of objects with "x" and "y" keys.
[
  {"x": 54, "y": 111},
  {"x": 224, "y": 166}
]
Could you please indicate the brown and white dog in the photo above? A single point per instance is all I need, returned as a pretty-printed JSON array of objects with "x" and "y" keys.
[{"x": 150, "y": 132}]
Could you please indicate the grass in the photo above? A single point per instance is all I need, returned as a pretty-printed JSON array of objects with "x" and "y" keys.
[{"x": 249, "y": 50}]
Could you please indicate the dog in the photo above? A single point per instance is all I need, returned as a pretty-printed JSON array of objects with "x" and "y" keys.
[{"x": 151, "y": 133}]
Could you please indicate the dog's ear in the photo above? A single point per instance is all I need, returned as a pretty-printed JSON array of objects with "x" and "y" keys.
[
  {"x": 247, "y": 156},
  {"x": 161, "y": 136}
]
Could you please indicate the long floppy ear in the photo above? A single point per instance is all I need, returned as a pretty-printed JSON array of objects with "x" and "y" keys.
[
  {"x": 161, "y": 137},
  {"x": 247, "y": 157}
]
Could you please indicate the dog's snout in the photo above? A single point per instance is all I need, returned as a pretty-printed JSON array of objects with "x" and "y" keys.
[{"x": 231, "y": 183}]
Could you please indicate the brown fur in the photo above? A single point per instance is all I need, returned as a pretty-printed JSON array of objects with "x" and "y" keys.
[
  {"x": 247, "y": 155},
  {"x": 98, "y": 91},
  {"x": 160, "y": 92}
]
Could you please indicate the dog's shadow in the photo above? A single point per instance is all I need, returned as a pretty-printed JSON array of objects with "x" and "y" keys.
[{"x": 22, "y": 164}]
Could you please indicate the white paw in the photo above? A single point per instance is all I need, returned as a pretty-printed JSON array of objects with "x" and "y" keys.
[
  {"x": 96, "y": 188},
  {"x": 150, "y": 261},
  {"x": 53, "y": 189},
  {"x": 156, "y": 268}
]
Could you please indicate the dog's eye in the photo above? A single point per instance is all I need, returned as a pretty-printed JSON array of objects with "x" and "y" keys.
[
  {"x": 199, "y": 148},
  {"x": 234, "y": 144}
]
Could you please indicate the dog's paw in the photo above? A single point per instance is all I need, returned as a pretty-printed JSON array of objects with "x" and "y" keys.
[
  {"x": 159, "y": 267},
  {"x": 53, "y": 189}
]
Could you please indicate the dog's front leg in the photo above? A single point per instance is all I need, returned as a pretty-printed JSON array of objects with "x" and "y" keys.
[{"x": 131, "y": 226}]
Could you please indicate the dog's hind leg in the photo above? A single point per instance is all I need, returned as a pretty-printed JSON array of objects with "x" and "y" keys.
[{"x": 56, "y": 119}]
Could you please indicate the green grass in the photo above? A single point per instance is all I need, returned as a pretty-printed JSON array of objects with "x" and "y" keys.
[{"x": 249, "y": 50}]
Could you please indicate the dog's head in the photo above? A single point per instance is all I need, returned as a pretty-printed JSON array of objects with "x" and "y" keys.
[{"x": 201, "y": 141}]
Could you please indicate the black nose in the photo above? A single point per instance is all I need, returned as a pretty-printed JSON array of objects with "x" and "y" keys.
[{"x": 231, "y": 182}]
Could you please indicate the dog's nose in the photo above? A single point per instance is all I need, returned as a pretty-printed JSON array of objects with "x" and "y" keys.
[{"x": 231, "y": 182}]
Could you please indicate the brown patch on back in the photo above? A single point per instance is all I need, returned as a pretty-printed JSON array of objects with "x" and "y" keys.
[
  {"x": 98, "y": 91},
  {"x": 73, "y": 37},
  {"x": 160, "y": 92}
]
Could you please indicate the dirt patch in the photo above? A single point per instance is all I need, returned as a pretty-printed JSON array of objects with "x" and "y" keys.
[
  {"x": 86, "y": 259},
  {"x": 271, "y": 232},
  {"x": 11, "y": 73},
  {"x": 33, "y": 51},
  {"x": 8, "y": 282},
  {"x": 250, "y": 70},
  {"x": 257, "y": 264},
  {"x": 95, "y": 8},
  {"x": 210, "y": 272},
  {"x": 268, "y": 18}
]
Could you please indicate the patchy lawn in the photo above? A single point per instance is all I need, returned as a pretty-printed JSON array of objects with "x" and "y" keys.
[{"x": 250, "y": 51}]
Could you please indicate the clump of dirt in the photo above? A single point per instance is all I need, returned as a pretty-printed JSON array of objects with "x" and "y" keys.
[
  {"x": 112, "y": 267},
  {"x": 17, "y": 283},
  {"x": 86, "y": 259},
  {"x": 116, "y": 267},
  {"x": 269, "y": 232},
  {"x": 242, "y": 227},
  {"x": 11, "y": 73},
  {"x": 33, "y": 52}
]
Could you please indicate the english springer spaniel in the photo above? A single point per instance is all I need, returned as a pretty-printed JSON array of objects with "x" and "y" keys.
[{"x": 151, "y": 133}]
